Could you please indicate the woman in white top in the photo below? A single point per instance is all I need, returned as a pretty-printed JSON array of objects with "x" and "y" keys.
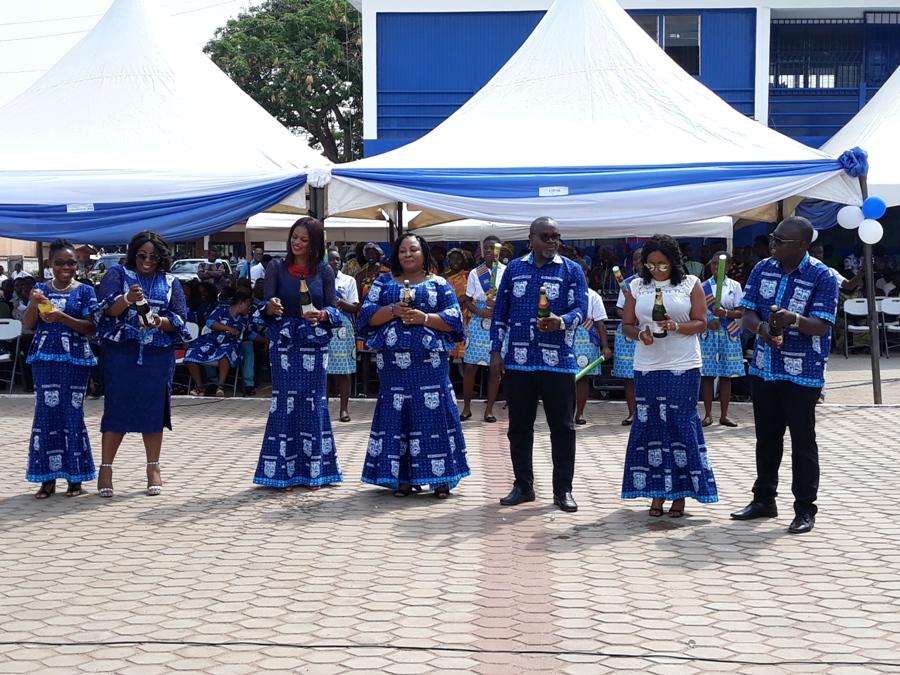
[{"x": 666, "y": 457}]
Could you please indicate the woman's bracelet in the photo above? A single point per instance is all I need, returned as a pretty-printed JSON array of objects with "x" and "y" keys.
[
  {"x": 425, "y": 322},
  {"x": 676, "y": 326}
]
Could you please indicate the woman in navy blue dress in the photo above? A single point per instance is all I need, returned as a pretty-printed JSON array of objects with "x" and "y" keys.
[
  {"x": 60, "y": 313},
  {"x": 298, "y": 446},
  {"x": 416, "y": 437},
  {"x": 139, "y": 354}
]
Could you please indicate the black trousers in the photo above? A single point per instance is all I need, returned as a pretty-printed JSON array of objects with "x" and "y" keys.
[
  {"x": 557, "y": 391},
  {"x": 780, "y": 405}
]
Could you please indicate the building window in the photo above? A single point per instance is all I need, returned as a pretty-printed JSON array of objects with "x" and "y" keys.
[
  {"x": 816, "y": 53},
  {"x": 650, "y": 24},
  {"x": 681, "y": 40}
]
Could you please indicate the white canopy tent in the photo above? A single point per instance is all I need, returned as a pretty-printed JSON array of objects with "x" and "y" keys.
[
  {"x": 132, "y": 129},
  {"x": 592, "y": 123},
  {"x": 877, "y": 129}
]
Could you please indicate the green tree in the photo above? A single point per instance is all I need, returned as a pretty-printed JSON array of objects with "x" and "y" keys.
[{"x": 301, "y": 60}]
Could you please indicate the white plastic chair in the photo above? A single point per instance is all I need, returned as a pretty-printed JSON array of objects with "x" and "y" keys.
[
  {"x": 856, "y": 307},
  {"x": 11, "y": 332},
  {"x": 890, "y": 307},
  {"x": 194, "y": 331}
]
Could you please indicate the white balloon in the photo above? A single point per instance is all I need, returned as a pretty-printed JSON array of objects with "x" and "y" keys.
[
  {"x": 850, "y": 217},
  {"x": 815, "y": 235},
  {"x": 870, "y": 231}
]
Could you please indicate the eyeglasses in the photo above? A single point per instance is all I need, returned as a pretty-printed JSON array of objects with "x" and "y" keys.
[
  {"x": 152, "y": 257},
  {"x": 775, "y": 240},
  {"x": 658, "y": 267},
  {"x": 64, "y": 263},
  {"x": 547, "y": 237}
]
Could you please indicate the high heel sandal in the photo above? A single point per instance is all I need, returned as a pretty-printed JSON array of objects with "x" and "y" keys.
[
  {"x": 105, "y": 492},
  {"x": 154, "y": 490},
  {"x": 48, "y": 487}
]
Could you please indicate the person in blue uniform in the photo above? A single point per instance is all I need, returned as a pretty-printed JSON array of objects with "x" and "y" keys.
[
  {"x": 536, "y": 358},
  {"x": 481, "y": 287},
  {"x": 796, "y": 295},
  {"x": 139, "y": 354},
  {"x": 228, "y": 324},
  {"x": 342, "y": 348},
  {"x": 61, "y": 315},
  {"x": 298, "y": 446},
  {"x": 416, "y": 438}
]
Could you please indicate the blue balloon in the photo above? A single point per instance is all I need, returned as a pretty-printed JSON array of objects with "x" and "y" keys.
[{"x": 874, "y": 208}]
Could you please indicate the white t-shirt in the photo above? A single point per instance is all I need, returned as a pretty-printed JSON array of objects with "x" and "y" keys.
[
  {"x": 675, "y": 351},
  {"x": 3, "y": 278},
  {"x": 731, "y": 293},
  {"x": 346, "y": 285},
  {"x": 257, "y": 271},
  {"x": 473, "y": 284},
  {"x": 596, "y": 309}
]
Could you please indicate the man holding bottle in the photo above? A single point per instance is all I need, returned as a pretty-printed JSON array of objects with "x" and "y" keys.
[
  {"x": 539, "y": 363},
  {"x": 790, "y": 304}
]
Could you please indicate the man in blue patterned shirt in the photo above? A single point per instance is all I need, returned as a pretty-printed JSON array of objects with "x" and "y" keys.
[
  {"x": 790, "y": 303},
  {"x": 539, "y": 363}
]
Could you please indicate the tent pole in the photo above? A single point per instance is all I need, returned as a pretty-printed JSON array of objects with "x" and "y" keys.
[
  {"x": 780, "y": 213},
  {"x": 399, "y": 219},
  {"x": 874, "y": 337},
  {"x": 317, "y": 203},
  {"x": 39, "y": 252}
]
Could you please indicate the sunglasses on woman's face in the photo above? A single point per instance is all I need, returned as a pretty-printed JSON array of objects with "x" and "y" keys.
[
  {"x": 657, "y": 267},
  {"x": 152, "y": 257}
]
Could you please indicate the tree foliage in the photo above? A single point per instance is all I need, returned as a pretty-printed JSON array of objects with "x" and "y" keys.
[{"x": 301, "y": 60}]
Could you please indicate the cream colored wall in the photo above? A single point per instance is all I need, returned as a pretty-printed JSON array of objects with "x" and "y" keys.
[{"x": 10, "y": 247}]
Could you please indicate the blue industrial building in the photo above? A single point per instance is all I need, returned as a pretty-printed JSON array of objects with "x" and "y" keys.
[{"x": 802, "y": 67}]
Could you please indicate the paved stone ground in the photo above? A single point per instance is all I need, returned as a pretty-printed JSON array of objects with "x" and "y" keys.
[{"x": 218, "y": 576}]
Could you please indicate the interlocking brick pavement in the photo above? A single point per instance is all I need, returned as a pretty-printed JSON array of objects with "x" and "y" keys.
[{"x": 219, "y": 576}]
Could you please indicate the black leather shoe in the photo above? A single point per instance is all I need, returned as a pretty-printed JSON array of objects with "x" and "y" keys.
[
  {"x": 517, "y": 496},
  {"x": 801, "y": 523},
  {"x": 565, "y": 502},
  {"x": 756, "y": 510}
]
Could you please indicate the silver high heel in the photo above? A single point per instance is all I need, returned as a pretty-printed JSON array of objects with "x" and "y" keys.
[
  {"x": 105, "y": 492},
  {"x": 154, "y": 490}
]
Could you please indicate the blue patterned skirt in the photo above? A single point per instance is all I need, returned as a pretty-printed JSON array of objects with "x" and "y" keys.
[
  {"x": 666, "y": 456},
  {"x": 298, "y": 446},
  {"x": 478, "y": 339},
  {"x": 60, "y": 447},
  {"x": 136, "y": 397},
  {"x": 585, "y": 351},
  {"x": 722, "y": 354},
  {"x": 342, "y": 349},
  {"x": 213, "y": 347},
  {"x": 416, "y": 436},
  {"x": 623, "y": 356}
]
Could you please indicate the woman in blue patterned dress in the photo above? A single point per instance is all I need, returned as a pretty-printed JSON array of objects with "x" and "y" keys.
[
  {"x": 720, "y": 344},
  {"x": 139, "y": 353},
  {"x": 416, "y": 437},
  {"x": 342, "y": 348},
  {"x": 623, "y": 348},
  {"x": 298, "y": 446},
  {"x": 221, "y": 346},
  {"x": 61, "y": 360},
  {"x": 666, "y": 458}
]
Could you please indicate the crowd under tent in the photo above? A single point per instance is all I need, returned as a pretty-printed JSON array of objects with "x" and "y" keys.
[
  {"x": 590, "y": 122},
  {"x": 134, "y": 130}
]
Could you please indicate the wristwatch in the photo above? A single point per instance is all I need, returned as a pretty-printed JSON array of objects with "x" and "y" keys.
[{"x": 796, "y": 323}]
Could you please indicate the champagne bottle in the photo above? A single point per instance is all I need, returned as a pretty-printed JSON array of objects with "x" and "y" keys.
[
  {"x": 543, "y": 308},
  {"x": 306, "y": 304},
  {"x": 775, "y": 331},
  {"x": 144, "y": 312},
  {"x": 407, "y": 297},
  {"x": 659, "y": 314}
]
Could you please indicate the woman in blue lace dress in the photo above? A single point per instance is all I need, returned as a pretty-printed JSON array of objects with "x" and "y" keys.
[
  {"x": 298, "y": 446},
  {"x": 139, "y": 353},
  {"x": 60, "y": 313},
  {"x": 416, "y": 437}
]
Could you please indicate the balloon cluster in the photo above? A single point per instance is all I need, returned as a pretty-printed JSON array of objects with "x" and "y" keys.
[{"x": 865, "y": 218}]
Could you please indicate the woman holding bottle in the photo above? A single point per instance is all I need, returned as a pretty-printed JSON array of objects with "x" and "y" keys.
[
  {"x": 665, "y": 311},
  {"x": 298, "y": 445},
  {"x": 60, "y": 313}
]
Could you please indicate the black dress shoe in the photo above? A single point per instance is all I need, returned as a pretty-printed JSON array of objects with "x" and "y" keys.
[
  {"x": 565, "y": 502},
  {"x": 756, "y": 510},
  {"x": 517, "y": 496},
  {"x": 801, "y": 523}
]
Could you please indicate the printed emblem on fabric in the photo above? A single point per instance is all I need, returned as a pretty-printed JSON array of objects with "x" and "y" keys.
[
  {"x": 639, "y": 480},
  {"x": 767, "y": 288},
  {"x": 437, "y": 467},
  {"x": 54, "y": 462},
  {"x": 793, "y": 365},
  {"x": 519, "y": 288},
  {"x": 432, "y": 399},
  {"x": 51, "y": 398},
  {"x": 680, "y": 457},
  {"x": 550, "y": 356},
  {"x": 77, "y": 399}
]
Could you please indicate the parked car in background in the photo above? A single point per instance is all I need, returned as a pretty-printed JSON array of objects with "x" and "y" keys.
[{"x": 186, "y": 269}]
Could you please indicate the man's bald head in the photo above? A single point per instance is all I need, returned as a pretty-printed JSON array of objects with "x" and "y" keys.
[
  {"x": 542, "y": 223},
  {"x": 797, "y": 227}
]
